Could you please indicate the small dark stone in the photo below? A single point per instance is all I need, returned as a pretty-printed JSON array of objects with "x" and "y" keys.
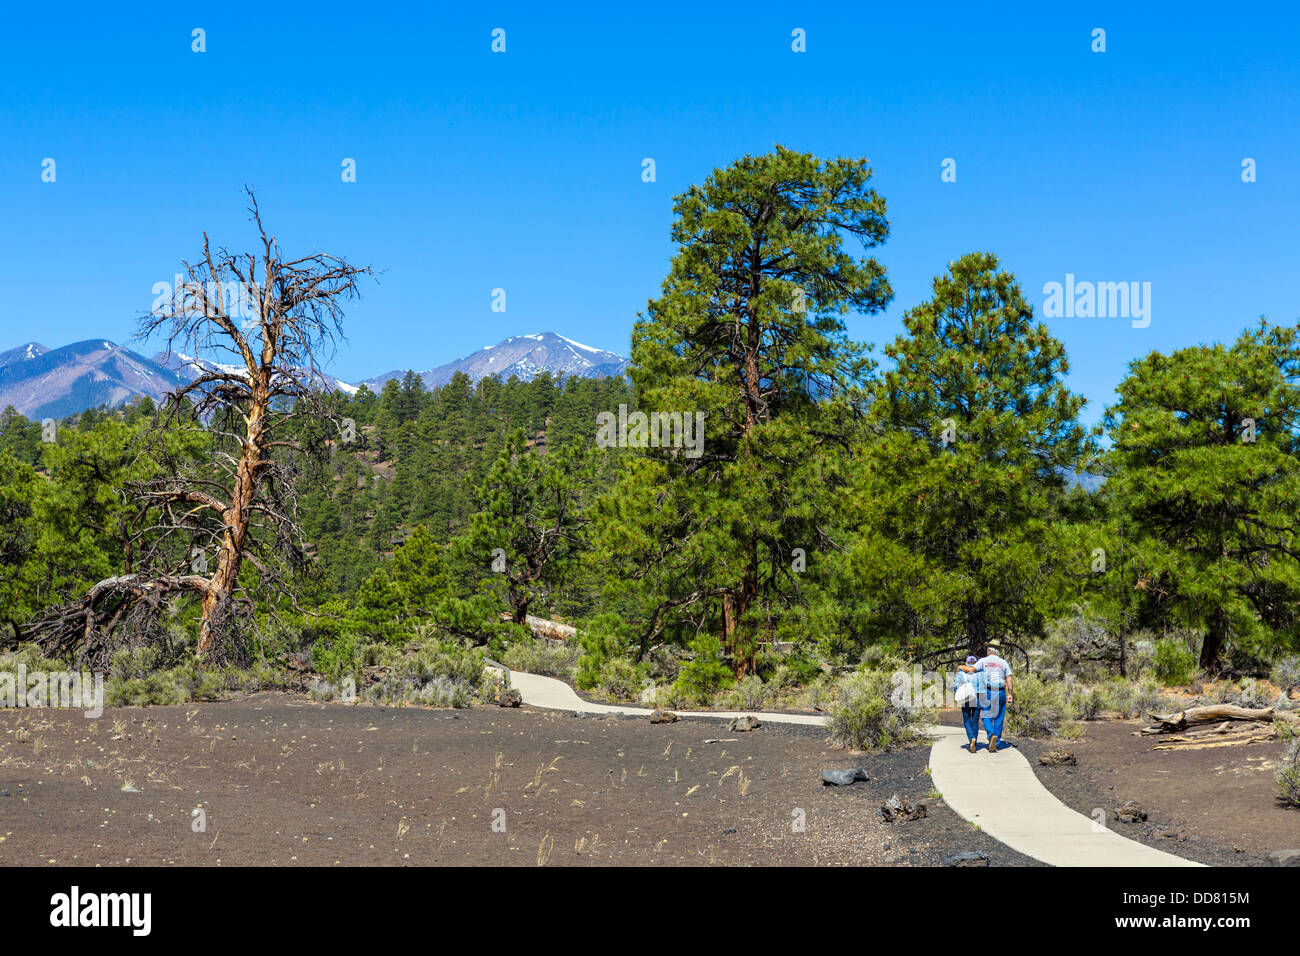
[
  {"x": 4, "y": 793},
  {"x": 966, "y": 859},
  {"x": 728, "y": 831}
]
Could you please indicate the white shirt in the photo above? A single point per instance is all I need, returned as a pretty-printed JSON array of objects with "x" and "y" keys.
[{"x": 995, "y": 669}]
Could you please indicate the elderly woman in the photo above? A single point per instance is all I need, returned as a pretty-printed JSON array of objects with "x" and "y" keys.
[{"x": 968, "y": 686}]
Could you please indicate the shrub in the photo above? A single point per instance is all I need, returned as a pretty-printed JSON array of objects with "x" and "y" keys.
[
  {"x": 1286, "y": 674},
  {"x": 602, "y": 638},
  {"x": 29, "y": 656},
  {"x": 703, "y": 676},
  {"x": 1119, "y": 695},
  {"x": 335, "y": 657},
  {"x": 866, "y": 714},
  {"x": 1039, "y": 707},
  {"x": 1086, "y": 703},
  {"x": 749, "y": 693},
  {"x": 1288, "y": 766},
  {"x": 434, "y": 659},
  {"x": 542, "y": 657},
  {"x": 1173, "y": 662},
  {"x": 618, "y": 679},
  {"x": 435, "y": 673}
]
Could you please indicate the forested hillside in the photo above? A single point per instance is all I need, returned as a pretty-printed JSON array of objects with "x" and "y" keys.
[{"x": 761, "y": 500}]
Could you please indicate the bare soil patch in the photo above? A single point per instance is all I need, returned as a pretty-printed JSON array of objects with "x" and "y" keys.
[
  {"x": 282, "y": 780},
  {"x": 1217, "y": 806}
]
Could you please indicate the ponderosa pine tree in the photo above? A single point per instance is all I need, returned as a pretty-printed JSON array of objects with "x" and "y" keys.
[
  {"x": 957, "y": 493},
  {"x": 749, "y": 330},
  {"x": 524, "y": 537},
  {"x": 1205, "y": 476}
]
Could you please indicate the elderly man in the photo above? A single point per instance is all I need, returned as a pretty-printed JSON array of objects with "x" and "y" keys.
[{"x": 998, "y": 681}]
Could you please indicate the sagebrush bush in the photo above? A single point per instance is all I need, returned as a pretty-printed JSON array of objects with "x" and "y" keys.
[
  {"x": 1119, "y": 695},
  {"x": 1173, "y": 662},
  {"x": 547, "y": 658},
  {"x": 749, "y": 693},
  {"x": 1086, "y": 703},
  {"x": 29, "y": 656},
  {"x": 1288, "y": 766},
  {"x": 1286, "y": 674},
  {"x": 1039, "y": 708},
  {"x": 866, "y": 714}
]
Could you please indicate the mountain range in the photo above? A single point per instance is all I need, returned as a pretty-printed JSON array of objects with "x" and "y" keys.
[{"x": 40, "y": 382}]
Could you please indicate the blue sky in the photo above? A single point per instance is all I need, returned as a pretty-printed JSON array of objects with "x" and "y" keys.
[{"x": 523, "y": 170}]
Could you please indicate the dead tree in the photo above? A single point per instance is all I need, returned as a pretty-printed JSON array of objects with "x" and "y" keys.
[{"x": 220, "y": 522}]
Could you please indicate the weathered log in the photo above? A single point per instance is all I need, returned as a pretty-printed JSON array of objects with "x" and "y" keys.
[
  {"x": 550, "y": 630},
  {"x": 1170, "y": 723},
  {"x": 1175, "y": 743}
]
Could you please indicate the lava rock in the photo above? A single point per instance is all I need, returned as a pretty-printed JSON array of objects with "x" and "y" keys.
[
  {"x": 663, "y": 717},
  {"x": 1285, "y": 857},
  {"x": 895, "y": 810},
  {"x": 1057, "y": 758},
  {"x": 966, "y": 859},
  {"x": 748, "y": 722},
  {"x": 843, "y": 778},
  {"x": 508, "y": 698},
  {"x": 1131, "y": 812}
]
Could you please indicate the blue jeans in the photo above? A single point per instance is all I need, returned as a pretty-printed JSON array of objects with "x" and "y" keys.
[
  {"x": 970, "y": 718},
  {"x": 994, "y": 712}
]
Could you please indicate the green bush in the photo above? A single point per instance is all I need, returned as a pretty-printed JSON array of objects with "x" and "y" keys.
[
  {"x": 335, "y": 657},
  {"x": 867, "y": 714},
  {"x": 700, "y": 678},
  {"x": 1039, "y": 708},
  {"x": 603, "y": 638},
  {"x": 1173, "y": 662},
  {"x": 618, "y": 679}
]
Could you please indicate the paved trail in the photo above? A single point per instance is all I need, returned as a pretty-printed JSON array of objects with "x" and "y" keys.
[
  {"x": 998, "y": 792},
  {"x": 1001, "y": 793}
]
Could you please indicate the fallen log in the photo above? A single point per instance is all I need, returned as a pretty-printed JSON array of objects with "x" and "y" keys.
[
  {"x": 1170, "y": 723},
  {"x": 550, "y": 630},
  {"x": 1174, "y": 744}
]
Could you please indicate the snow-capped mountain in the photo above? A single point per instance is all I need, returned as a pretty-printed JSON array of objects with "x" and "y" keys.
[
  {"x": 53, "y": 383},
  {"x": 526, "y": 356},
  {"x": 22, "y": 353},
  {"x": 191, "y": 368}
]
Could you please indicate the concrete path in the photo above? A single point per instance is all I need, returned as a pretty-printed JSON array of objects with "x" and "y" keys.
[
  {"x": 999, "y": 792},
  {"x": 553, "y": 694}
]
